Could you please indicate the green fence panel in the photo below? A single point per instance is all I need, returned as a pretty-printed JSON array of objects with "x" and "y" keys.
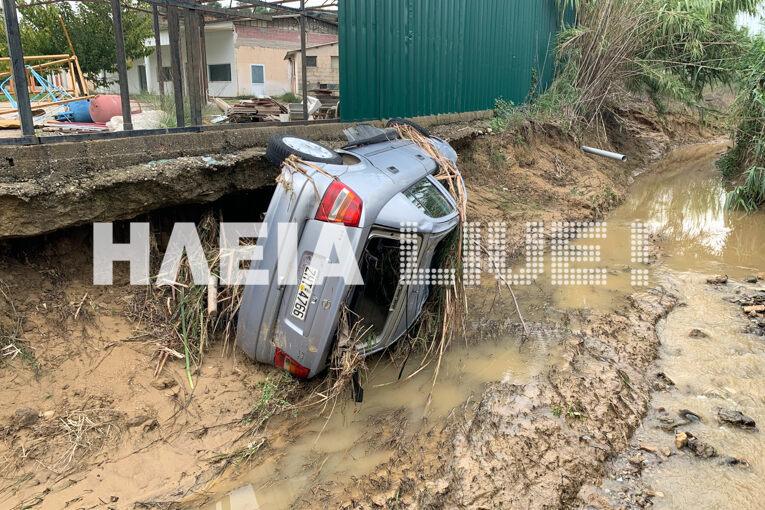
[{"x": 404, "y": 58}]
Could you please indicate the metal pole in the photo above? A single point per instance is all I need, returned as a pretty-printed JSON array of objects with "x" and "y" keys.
[
  {"x": 191, "y": 31},
  {"x": 17, "y": 67},
  {"x": 173, "y": 31},
  {"x": 303, "y": 66},
  {"x": 158, "y": 49},
  {"x": 119, "y": 39}
]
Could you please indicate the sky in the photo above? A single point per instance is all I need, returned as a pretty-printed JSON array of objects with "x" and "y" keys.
[{"x": 755, "y": 24}]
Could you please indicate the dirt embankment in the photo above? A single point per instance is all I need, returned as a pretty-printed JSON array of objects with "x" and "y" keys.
[{"x": 87, "y": 422}]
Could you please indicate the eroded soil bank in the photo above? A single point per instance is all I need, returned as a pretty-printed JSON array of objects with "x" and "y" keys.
[{"x": 87, "y": 422}]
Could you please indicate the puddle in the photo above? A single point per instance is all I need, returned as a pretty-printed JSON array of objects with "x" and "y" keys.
[
  {"x": 357, "y": 438},
  {"x": 683, "y": 202}
]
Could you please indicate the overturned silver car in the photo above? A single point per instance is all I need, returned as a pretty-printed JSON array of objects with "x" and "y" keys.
[{"x": 372, "y": 186}]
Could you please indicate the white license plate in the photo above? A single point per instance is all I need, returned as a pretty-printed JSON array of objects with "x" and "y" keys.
[{"x": 304, "y": 291}]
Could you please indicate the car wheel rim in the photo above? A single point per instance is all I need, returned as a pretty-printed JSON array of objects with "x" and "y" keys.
[{"x": 306, "y": 147}]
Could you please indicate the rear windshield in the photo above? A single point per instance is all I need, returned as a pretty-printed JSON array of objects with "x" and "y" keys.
[{"x": 429, "y": 199}]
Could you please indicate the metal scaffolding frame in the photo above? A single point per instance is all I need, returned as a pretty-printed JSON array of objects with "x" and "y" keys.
[{"x": 187, "y": 13}]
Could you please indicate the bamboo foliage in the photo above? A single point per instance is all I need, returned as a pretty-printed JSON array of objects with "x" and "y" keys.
[{"x": 673, "y": 48}]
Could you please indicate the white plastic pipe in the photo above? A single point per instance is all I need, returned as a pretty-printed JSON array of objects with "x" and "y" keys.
[{"x": 605, "y": 154}]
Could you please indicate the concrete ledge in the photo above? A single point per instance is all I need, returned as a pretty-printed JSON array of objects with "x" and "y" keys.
[{"x": 68, "y": 160}]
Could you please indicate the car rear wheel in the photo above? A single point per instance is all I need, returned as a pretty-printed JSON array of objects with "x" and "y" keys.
[
  {"x": 280, "y": 147},
  {"x": 396, "y": 121}
]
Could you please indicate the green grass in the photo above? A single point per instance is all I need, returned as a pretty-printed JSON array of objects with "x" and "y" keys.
[
  {"x": 288, "y": 97},
  {"x": 166, "y": 103},
  {"x": 751, "y": 194},
  {"x": 273, "y": 399}
]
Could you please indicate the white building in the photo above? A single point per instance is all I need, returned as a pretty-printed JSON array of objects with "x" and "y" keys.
[{"x": 244, "y": 58}]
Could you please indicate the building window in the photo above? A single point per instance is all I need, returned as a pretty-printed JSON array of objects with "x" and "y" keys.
[
  {"x": 219, "y": 72},
  {"x": 335, "y": 63},
  {"x": 310, "y": 61},
  {"x": 167, "y": 74}
]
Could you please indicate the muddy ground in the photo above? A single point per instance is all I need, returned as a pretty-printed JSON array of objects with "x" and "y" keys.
[{"x": 91, "y": 418}]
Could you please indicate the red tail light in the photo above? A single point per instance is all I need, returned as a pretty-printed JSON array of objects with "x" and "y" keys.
[
  {"x": 288, "y": 363},
  {"x": 340, "y": 205}
]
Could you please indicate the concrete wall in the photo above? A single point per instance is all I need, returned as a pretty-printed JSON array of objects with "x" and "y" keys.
[
  {"x": 324, "y": 72},
  {"x": 269, "y": 46},
  {"x": 276, "y": 69},
  {"x": 220, "y": 50}
]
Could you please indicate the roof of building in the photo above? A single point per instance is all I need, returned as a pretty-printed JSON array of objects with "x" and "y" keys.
[{"x": 293, "y": 52}]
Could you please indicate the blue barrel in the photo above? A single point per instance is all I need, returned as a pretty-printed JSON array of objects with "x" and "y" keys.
[{"x": 80, "y": 111}]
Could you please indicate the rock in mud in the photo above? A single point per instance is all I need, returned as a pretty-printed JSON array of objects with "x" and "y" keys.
[
  {"x": 687, "y": 441},
  {"x": 135, "y": 421},
  {"x": 720, "y": 279},
  {"x": 689, "y": 415},
  {"x": 24, "y": 417},
  {"x": 163, "y": 383},
  {"x": 753, "y": 310},
  {"x": 662, "y": 382},
  {"x": 734, "y": 461},
  {"x": 751, "y": 279},
  {"x": 697, "y": 333},
  {"x": 736, "y": 418}
]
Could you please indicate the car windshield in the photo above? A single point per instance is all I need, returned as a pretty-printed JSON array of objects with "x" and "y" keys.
[{"x": 428, "y": 199}]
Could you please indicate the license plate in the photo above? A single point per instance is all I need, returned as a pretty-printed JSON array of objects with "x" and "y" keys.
[{"x": 304, "y": 291}]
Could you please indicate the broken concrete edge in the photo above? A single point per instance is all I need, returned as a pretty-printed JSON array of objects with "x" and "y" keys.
[
  {"x": 28, "y": 162},
  {"x": 80, "y": 192}
]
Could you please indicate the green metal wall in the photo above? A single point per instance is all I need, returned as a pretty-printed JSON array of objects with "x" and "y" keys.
[{"x": 403, "y": 58}]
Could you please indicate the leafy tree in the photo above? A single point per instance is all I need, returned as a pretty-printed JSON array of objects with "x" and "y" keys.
[{"x": 90, "y": 27}]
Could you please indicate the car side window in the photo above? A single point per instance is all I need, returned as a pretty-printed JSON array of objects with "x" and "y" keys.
[{"x": 426, "y": 197}]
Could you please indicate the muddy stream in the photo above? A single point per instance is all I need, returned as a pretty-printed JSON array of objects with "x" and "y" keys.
[{"x": 681, "y": 199}]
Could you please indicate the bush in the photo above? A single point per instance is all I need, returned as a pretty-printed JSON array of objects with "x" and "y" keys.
[{"x": 748, "y": 115}]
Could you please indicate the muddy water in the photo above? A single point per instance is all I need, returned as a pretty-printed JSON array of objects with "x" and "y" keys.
[
  {"x": 357, "y": 438},
  {"x": 682, "y": 201},
  {"x": 726, "y": 369}
]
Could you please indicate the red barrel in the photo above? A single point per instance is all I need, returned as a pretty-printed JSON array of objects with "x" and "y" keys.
[{"x": 104, "y": 107}]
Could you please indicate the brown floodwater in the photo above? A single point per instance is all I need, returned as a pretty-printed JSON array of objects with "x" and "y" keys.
[{"x": 681, "y": 200}]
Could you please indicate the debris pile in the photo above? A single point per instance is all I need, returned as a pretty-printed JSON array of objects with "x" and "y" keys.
[{"x": 256, "y": 110}]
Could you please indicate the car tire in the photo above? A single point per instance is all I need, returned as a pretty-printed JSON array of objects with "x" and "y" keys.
[
  {"x": 396, "y": 121},
  {"x": 280, "y": 147}
]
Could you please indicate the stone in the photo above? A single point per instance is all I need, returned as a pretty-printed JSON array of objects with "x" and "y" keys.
[
  {"x": 24, "y": 417},
  {"x": 681, "y": 440},
  {"x": 736, "y": 418},
  {"x": 720, "y": 279},
  {"x": 163, "y": 383},
  {"x": 135, "y": 421},
  {"x": 734, "y": 461},
  {"x": 697, "y": 333},
  {"x": 687, "y": 441},
  {"x": 751, "y": 279},
  {"x": 689, "y": 415}
]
